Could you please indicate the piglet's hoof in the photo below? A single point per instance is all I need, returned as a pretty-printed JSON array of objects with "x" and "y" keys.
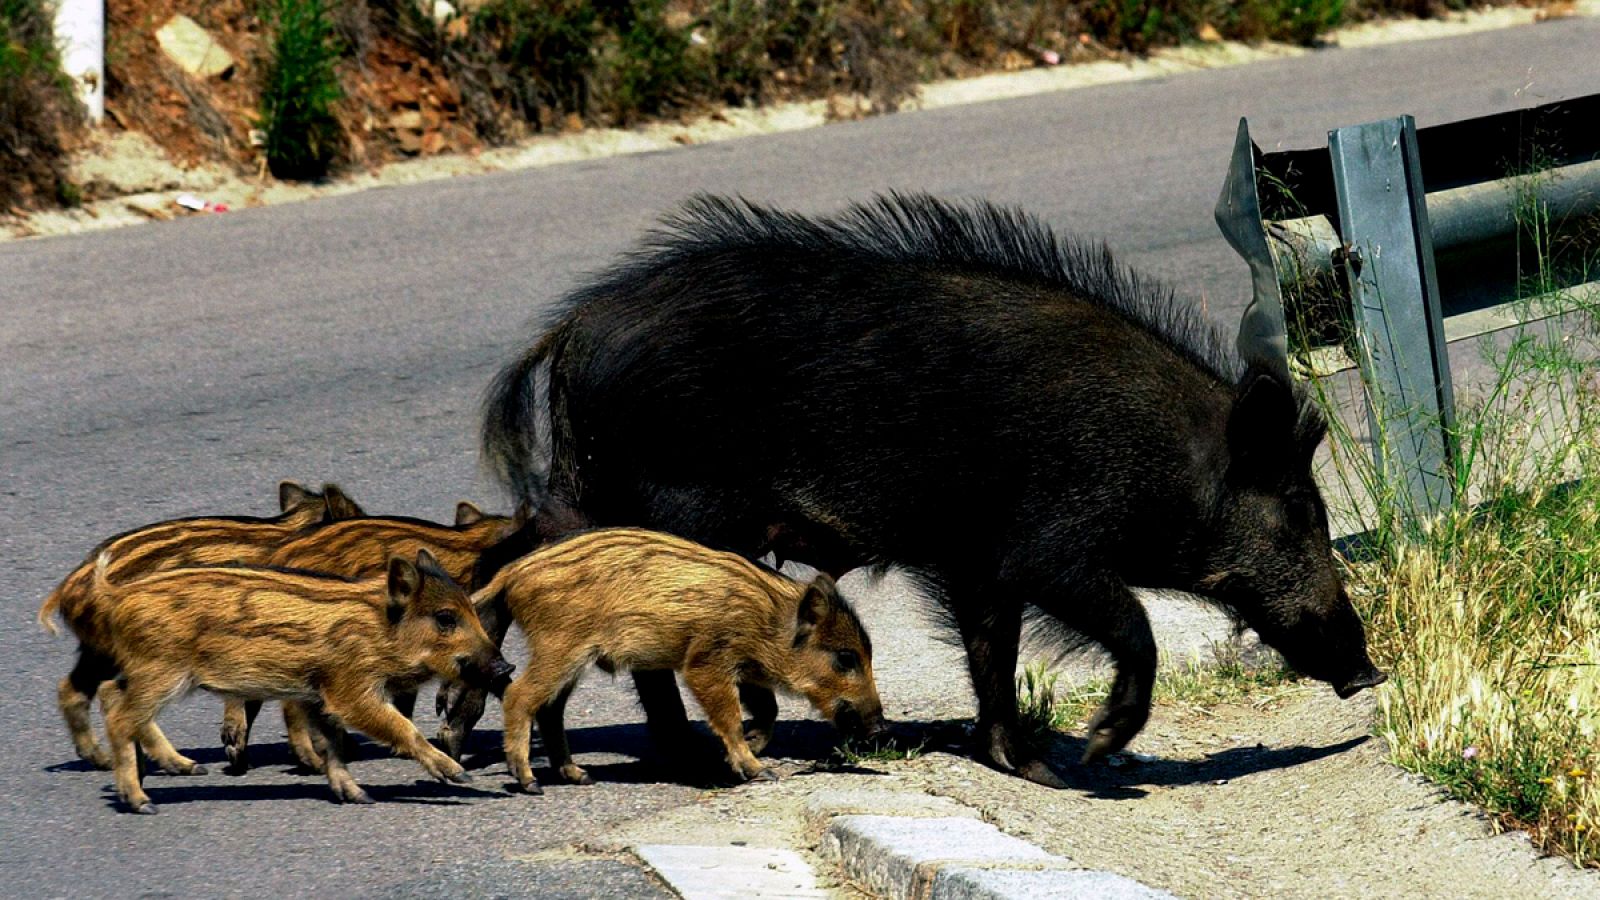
[
  {"x": 461, "y": 777},
  {"x": 764, "y": 774},
  {"x": 195, "y": 769},
  {"x": 1037, "y": 772},
  {"x": 1103, "y": 743},
  {"x": 144, "y": 809},
  {"x": 531, "y": 787}
]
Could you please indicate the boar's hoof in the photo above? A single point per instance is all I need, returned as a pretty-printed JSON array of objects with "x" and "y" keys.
[
  {"x": 1037, "y": 772},
  {"x": 145, "y": 808},
  {"x": 97, "y": 757},
  {"x": 531, "y": 787},
  {"x": 764, "y": 774},
  {"x": 356, "y": 796},
  {"x": 448, "y": 741},
  {"x": 1102, "y": 743},
  {"x": 573, "y": 774},
  {"x": 461, "y": 777}
]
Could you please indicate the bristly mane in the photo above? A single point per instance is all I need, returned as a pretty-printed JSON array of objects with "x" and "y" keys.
[{"x": 918, "y": 229}]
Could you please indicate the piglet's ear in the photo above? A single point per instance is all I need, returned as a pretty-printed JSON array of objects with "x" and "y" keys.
[
  {"x": 467, "y": 514},
  {"x": 813, "y": 607},
  {"x": 1261, "y": 429},
  {"x": 404, "y": 584},
  {"x": 292, "y": 494},
  {"x": 340, "y": 506}
]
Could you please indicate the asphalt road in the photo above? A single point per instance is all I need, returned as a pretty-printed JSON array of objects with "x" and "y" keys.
[{"x": 184, "y": 368}]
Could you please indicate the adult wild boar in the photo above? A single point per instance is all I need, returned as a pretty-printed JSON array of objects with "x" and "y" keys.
[{"x": 1009, "y": 415}]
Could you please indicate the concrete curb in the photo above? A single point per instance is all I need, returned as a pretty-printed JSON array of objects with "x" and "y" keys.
[{"x": 954, "y": 857}]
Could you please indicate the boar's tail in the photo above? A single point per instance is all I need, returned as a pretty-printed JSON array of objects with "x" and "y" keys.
[
  {"x": 47, "y": 612},
  {"x": 513, "y": 419}
]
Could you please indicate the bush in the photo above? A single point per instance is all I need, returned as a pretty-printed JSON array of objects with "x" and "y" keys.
[
  {"x": 301, "y": 87},
  {"x": 37, "y": 109}
]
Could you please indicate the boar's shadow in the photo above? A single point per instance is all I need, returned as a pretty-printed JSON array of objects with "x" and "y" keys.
[{"x": 1126, "y": 782}]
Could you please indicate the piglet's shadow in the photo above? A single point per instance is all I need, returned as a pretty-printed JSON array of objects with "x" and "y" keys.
[
  {"x": 165, "y": 792},
  {"x": 1125, "y": 782},
  {"x": 696, "y": 760}
]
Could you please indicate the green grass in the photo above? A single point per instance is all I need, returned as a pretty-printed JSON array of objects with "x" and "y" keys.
[
  {"x": 1487, "y": 616},
  {"x": 856, "y": 752},
  {"x": 1045, "y": 707},
  {"x": 300, "y": 90}
]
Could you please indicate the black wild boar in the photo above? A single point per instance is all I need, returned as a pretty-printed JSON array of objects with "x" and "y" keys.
[{"x": 1007, "y": 414}]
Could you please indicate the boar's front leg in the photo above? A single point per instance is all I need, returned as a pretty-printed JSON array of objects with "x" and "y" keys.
[
  {"x": 991, "y": 632},
  {"x": 362, "y": 707},
  {"x": 762, "y": 705},
  {"x": 238, "y": 717},
  {"x": 715, "y": 690},
  {"x": 326, "y": 737},
  {"x": 1105, "y": 611}
]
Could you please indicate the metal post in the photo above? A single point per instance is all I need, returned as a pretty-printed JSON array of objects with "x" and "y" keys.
[{"x": 1384, "y": 222}]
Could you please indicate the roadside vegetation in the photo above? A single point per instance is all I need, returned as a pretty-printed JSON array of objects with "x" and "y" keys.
[
  {"x": 1488, "y": 616},
  {"x": 38, "y": 113},
  {"x": 356, "y": 83}
]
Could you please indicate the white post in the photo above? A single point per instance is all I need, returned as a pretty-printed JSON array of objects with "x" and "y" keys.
[{"x": 81, "y": 33}]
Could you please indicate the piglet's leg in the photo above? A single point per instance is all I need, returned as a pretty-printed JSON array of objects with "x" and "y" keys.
[
  {"x": 152, "y": 740},
  {"x": 129, "y": 712},
  {"x": 553, "y": 728},
  {"x": 303, "y": 737},
  {"x": 238, "y": 716},
  {"x": 363, "y": 709},
  {"x": 763, "y": 708},
  {"x": 717, "y": 694},
  {"x": 327, "y": 736}
]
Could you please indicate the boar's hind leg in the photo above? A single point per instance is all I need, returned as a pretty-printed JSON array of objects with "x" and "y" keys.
[
  {"x": 130, "y": 713},
  {"x": 76, "y": 694},
  {"x": 547, "y": 677},
  {"x": 1106, "y": 612},
  {"x": 151, "y": 739}
]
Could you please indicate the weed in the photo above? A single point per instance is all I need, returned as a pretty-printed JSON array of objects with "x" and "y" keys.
[
  {"x": 853, "y": 752},
  {"x": 1488, "y": 615},
  {"x": 300, "y": 90}
]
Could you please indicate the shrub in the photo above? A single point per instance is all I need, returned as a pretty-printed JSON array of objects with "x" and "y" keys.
[
  {"x": 301, "y": 87},
  {"x": 37, "y": 109}
]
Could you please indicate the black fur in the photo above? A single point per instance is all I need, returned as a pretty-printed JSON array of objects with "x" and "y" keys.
[{"x": 1008, "y": 415}]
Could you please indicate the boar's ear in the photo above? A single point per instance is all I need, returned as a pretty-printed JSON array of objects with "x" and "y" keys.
[
  {"x": 814, "y": 605},
  {"x": 427, "y": 562},
  {"x": 340, "y": 506},
  {"x": 1261, "y": 429},
  {"x": 292, "y": 494},
  {"x": 467, "y": 514},
  {"x": 404, "y": 583}
]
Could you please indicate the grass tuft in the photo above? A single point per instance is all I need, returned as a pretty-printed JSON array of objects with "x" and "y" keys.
[
  {"x": 37, "y": 110},
  {"x": 300, "y": 91}
]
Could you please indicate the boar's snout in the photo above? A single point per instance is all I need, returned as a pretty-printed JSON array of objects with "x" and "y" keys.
[
  {"x": 854, "y": 724},
  {"x": 492, "y": 672},
  {"x": 1372, "y": 677}
]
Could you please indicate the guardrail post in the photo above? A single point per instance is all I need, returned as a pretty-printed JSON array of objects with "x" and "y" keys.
[{"x": 1389, "y": 263}]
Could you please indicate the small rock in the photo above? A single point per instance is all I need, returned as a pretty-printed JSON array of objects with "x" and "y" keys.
[
  {"x": 193, "y": 49},
  {"x": 406, "y": 120},
  {"x": 432, "y": 143},
  {"x": 410, "y": 142}
]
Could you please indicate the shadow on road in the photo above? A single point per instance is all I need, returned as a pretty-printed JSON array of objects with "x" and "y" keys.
[
  {"x": 1124, "y": 782},
  {"x": 431, "y": 793}
]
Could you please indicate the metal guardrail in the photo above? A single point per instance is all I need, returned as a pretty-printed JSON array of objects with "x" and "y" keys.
[{"x": 1395, "y": 241}]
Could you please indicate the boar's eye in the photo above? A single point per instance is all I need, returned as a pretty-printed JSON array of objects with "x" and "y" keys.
[
  {"x": 445, "y": 619},
  {"x": 846, "y": 660}
]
